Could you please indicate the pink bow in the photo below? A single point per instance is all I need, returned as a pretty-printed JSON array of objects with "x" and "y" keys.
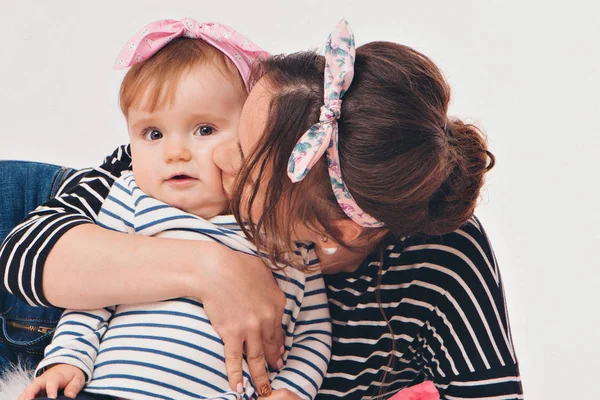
[{"x": 154, "y": 36}]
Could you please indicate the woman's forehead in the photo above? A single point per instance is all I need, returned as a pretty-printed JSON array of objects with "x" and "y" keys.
[
  {"x": 261, "y": 93},
  {"x": 255, "y": 114}
]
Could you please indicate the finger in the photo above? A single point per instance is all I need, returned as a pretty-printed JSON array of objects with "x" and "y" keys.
[
  {"x": 33, "y": 389},
  {"x": 28, "y": 394},
  {"x": 75, "y": 386},
  {"x": 233, "y": 364},
  {"x": 272, "y": 342},
  {"x": 256, "y": 363},
  {"x": 52, "y": 388},
  {"x": 280, "y": 338}
]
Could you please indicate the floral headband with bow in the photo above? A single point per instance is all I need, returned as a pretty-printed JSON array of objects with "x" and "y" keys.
[
  {"x": 322, "y": 137},
  {"x": 156, "y": 35}
]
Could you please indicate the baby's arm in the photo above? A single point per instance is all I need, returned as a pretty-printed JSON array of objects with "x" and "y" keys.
[
  {"x": 69, "y": 360},
  {"x": 309, "y": 356},
  {"x": 77, "y": 339}
]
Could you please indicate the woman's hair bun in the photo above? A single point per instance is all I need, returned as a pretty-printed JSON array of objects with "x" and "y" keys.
[{"x": 469, "y": 159}]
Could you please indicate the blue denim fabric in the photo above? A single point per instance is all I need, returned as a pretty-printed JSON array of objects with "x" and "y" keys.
[{"x": 24, "y": 330}]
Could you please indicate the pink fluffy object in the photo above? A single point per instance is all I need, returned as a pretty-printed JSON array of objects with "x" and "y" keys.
[{"x": 422, "y": 391}]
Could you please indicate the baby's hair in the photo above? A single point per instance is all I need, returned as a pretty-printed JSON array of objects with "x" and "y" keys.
[
  {"x": 403, "y": 159},
  {"x": 153, "y": 83}
]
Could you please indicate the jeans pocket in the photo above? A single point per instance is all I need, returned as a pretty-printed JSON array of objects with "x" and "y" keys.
[
  {"x": 25, "y": 331},
  {"x": 26, "y": 336},
  {"x": 24, "y": 346}
]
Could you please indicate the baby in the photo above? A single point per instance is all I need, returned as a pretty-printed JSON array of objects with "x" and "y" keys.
[{"x": 182, "y": 97}]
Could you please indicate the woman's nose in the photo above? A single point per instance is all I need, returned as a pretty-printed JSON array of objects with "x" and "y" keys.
[
  {"x": 227, "y": 157},
  {"x": 177, "y": 151}
]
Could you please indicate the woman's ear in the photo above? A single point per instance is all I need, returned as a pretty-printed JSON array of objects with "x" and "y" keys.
[
  {"x": 346, "y": 232},
  {"x": 349, "y": 230},
  {"x": 352, "y": 234}
]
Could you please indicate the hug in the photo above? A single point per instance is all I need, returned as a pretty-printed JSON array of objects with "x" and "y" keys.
[{"x": 293, "y": 226}]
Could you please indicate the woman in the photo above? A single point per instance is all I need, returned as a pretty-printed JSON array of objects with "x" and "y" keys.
[{"x": 414, "y": 289}]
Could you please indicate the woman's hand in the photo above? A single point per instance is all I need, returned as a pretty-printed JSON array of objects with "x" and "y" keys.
[
  {"x": 245, "y": 306},
  {"x": 281, "y": 394},
  {"x": 56, "y": 377}
]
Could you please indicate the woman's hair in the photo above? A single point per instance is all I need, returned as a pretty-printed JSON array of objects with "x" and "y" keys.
[
  {"x": 405, "y": 162},
  {"x": 153, "y": 83}
]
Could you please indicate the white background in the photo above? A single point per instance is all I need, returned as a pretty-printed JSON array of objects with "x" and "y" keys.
[{"x": 527, "y": 72}]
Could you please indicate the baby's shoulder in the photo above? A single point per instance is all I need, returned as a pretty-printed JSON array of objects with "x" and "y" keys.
[
  {"x": 294, "y": 281},
  {"x": 124, "y": 185}
]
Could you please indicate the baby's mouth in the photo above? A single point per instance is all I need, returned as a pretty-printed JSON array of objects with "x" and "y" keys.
[
  {"x": 180, "y": 177},
  {"x": 181, "y": 180}
]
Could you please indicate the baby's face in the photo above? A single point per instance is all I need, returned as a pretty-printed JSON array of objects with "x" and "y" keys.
[{"x": 172, "y": 147}]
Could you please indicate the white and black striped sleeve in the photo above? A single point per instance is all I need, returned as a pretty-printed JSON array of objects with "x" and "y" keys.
[
  {"x": 465, "y": 344},
  {"x": 24, "y": 251}
]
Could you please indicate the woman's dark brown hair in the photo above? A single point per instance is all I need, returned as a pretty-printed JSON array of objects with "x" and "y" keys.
[{"x": 403, "y": 159}]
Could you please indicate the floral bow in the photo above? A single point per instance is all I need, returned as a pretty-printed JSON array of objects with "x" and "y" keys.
[{"x": 322, "y": 137}]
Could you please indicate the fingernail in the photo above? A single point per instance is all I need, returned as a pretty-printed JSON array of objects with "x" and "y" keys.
[
  {"x": 265, "y": 390},
  {"x": 281, "y": 349},
  {"x": 239, "y": 388},
  {"x": 279, "y": 363}
]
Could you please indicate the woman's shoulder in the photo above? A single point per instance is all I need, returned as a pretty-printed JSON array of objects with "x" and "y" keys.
[
  {"x": 105, "y": 174},
  {"x": 472, "y": 229},
  {"x": 121, "y": 158},
  {"x": 464, "y": 256}
]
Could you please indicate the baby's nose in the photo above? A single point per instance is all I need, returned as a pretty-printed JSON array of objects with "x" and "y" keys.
[{"x": 176, "y": 151}]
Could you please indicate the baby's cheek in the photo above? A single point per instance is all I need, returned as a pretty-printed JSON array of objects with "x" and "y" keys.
[
  {"x": 205, "y": 158},
  {"x": 146, "y": 177}
]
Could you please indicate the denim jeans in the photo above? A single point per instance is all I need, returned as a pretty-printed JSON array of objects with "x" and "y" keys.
[{"x": 25, "y": 330}]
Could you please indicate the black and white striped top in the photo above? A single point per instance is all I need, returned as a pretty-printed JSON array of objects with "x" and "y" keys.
[
  {"x": 442, "y": 296},
  {"x": 444, "y": 301}
]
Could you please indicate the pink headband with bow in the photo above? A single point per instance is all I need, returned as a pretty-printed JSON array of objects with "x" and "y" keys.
[
  {"x": 156, "y": 35},
  {"x": 322, "y": 137}
]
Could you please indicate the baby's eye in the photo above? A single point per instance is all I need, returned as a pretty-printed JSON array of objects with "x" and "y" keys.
[
  {"x": 205, "y": 130},
  {"x": 153, "y": 134}
]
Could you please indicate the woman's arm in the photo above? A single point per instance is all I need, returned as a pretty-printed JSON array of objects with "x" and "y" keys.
[
  {"x": 25, "y": 250},
  {"x": 92, "y": 267}
]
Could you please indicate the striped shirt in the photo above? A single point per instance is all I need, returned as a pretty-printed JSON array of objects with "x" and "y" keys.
[
  {"x": 445, "y": 316},
  {"x": 168, "y": 349},
  {"x": 442, "y": 296}
]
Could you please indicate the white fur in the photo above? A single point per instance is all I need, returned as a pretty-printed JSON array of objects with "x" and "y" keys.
[{"x": 14, "y": 381}]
